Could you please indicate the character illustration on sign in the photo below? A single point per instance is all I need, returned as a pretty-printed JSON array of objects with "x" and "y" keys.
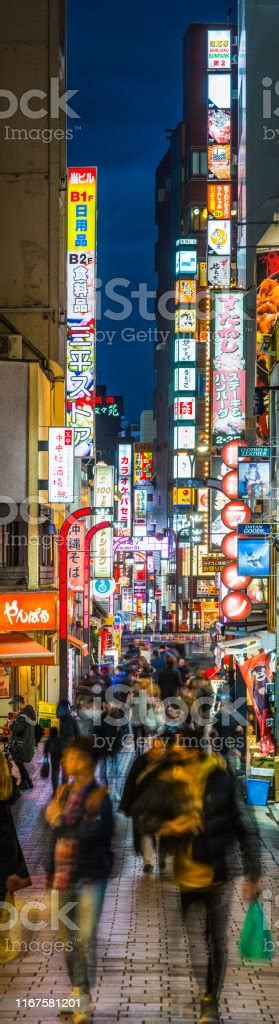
[{"x": 257, "y": 675}]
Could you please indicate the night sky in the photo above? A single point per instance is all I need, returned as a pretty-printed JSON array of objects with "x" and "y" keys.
[{"x": 127, "y": 65}]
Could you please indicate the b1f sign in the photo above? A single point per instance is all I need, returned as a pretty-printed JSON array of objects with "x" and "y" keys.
[{"x": 60, "y": 465}]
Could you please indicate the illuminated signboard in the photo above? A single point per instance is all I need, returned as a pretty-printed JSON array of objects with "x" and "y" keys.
[
  {"x": 185, "y": 350},
  {"x": 108, "y": 405},
  {"x": 184, "y": 408},
  {"x": 186, "y": 257},
  {"x": 254, "y": 556},
  {"x": 60, "y": 465},
  {"x": 140, "y": 505},
  {"x": 219, "y": 162},
  {"x": 35, "y": 610},
  {"x": 181, "y": 496},
  {"x": 185, "y": 291},
  {"x": 228, "y": 368},
  {"x": 181, "y": 465},
  {"x": 185, "y": 378},
  {"x": 103, "y": 541},
  {"x": 81, "y": 307},
  {"x": 184, "y": 437},
  {"x": 219, "y": 114},
  {"x": 124, "y": 505},
  {"x": 185, "y": 321},
  {"x": 143, "y": 465},
  {"x": 219, "y": 49},
  {"x": 254, "y": 480},
  {"x": 219, "y": 201},
  {"x": 219, "y": 237},
  {"x": 75, "y": 545},
  {"x": 219, "y": 271}
]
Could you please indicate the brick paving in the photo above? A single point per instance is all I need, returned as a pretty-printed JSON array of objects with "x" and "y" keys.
[{"x": 144, "y": 974}]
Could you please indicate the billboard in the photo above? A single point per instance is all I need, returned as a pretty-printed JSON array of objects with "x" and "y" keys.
[
  {"x": 219, "y": 114},
  {"x": 182, "y": 496},
  {"x": 184, "y": 408},
  {"x": 186, "y": 257},
  {"x": 219, "y": 201},
  {"x": 181, "y": 465},
  {"x": 254, "y": 480},
  {"x": 185, "y": 350},
  {"x": 143, "y": 465},
  {"x": 60, "y": 465},
  {"x": 219, "y": 237},
  {"x": 229, "y": 376},
  {"x": 254, "y": 555},
  {"x": 124, "y": 508},
  {"x": 81, "y": 269},
  {"x": 185, "y": 378},
  {"x": 219, "y": 49},
  {"x": 219, "y": 162},
  {"x": 75, "y": 545},
  {"x": 140, "y": 500},
  {"x": 219, "y": 271}
]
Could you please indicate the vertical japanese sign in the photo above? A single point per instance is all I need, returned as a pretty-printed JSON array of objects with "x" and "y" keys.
[
  {"x": 143, "y": 464},
  {"x": 60, "y": 465},
  {"x": 81, "y": 264},
  {"x": 103, "y": 541},
  {"x": 219, "y": 159},
  {"x": 125, "y": 490},
  {"x": 184, "y": 392},
  {"x": 76, "y": 537},
  {"x": 228, "y": 379}
]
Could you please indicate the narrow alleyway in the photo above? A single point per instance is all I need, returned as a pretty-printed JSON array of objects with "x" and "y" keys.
[{"x": 143, "y": 961}]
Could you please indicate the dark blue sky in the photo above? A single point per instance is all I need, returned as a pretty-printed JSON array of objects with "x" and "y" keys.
[{"x": 126, "y": 62}]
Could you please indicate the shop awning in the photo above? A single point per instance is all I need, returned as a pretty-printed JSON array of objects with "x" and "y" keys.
[
  {"x": 79, "y": 644},
  {"x": 20, "y": 649}
]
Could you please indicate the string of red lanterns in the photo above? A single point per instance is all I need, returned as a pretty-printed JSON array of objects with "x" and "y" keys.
[{"x": 235, "y": 605}]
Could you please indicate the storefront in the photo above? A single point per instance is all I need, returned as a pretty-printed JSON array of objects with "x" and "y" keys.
[{"x": 28, "y": 648}]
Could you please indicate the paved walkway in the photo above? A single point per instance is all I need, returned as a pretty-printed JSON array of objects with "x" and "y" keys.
[{"x": 144, "y": 975}]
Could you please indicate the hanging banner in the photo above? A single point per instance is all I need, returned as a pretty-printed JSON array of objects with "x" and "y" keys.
[
  {"x": 257, "y": 675},
  {"x": 124, "y": 507},
  {"x": 60, "y": 465},
  {"x": 103, "y": 540},
  {"x": 76, "y": 537}
]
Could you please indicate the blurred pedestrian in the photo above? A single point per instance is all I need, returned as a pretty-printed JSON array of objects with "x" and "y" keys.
[
  {"x": 53, "y": 750},
  {"x": 80, "y": 861},
  {"x": 14, "y": 873},
  {"x": 68, "y": 728},
  {"x": 136, "y": 782},
  {"x": 169, "y": 680},
  {"x": 23, "y": 743}
]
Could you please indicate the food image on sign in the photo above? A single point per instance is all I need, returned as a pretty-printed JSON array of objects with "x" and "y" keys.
[
  {"x": 219, "y": 237},
  {"x": 219, "y": 201},
  {"x": 268, "y": 291},
  {"x": 185, "y": 321},
  {"x": 185, "y": 291},
  {"x": 219, "y": 126},
  {"x": 219, "y": 162},
  {"x": 219, "y": 271}
]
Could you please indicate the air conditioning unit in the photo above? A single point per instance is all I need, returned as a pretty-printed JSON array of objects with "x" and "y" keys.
[{"x": 10, "y": 346}]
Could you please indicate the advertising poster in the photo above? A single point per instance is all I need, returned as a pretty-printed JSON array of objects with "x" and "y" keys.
[
  {"x": 257, "y": 674},
  {"x": 184, "y": 437},
  {"x": 254, "y": 480},
  {"x": 228, "y": 405},
  {"x": 81, "y": 249},
  {"x": 253, "y": 555},
  {"x": 219, "y": 237},
  {"x": 219, "y": 271},
  {"x": 143, "y": 465},
  {"x": 4, "y": 681},
  {"x": 267, "y": 319},
  {"x": 219, "y": 114},
  {"x": 186, "y": 261},
  {"x": 181, "y": 466},
  {"x": 229, "y": 375},
  {"x": 219, "y": 201},
  {"x": 219, "y": 162},
  {"x": 181, "y": 496}
]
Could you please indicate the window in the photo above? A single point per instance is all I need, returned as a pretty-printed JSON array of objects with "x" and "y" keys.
[
  {"x": 196, "y": 164},
  {"x": 197, "y": 218},
  {"x": 203, "y": 164}
]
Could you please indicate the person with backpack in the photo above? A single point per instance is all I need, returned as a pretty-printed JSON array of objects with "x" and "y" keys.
[{"x": 23, "y": 743}]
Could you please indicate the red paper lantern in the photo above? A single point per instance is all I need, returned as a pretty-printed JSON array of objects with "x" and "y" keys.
[
  {"x": 232, "y": 580},
  {"x": 229, "y": 545},
  {"x": 235, "y": 513},
  {"x": 236, "y": 606},
  {"x": 230, "y": 484},
  {"x": 230, "y": 453}
]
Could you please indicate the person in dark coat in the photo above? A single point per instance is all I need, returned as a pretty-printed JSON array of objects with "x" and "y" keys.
[
  {"x": 23, "y": 743},
  {"x": 80, "y": 861},
  {"x": 14, "y": 873},
  {"x": 68, "y": 728},
  {"x": 53, "y": 750},
  {"x": 169, "y": 679},
  {"x": 191, "y": 799}
]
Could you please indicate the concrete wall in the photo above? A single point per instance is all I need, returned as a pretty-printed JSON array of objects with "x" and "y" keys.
[
  {"x": 32, "y": 200},
  {"x": 13, "y": 429}
]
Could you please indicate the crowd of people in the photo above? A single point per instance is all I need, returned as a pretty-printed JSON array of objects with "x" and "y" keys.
[{"x": 139, "y": 737}]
